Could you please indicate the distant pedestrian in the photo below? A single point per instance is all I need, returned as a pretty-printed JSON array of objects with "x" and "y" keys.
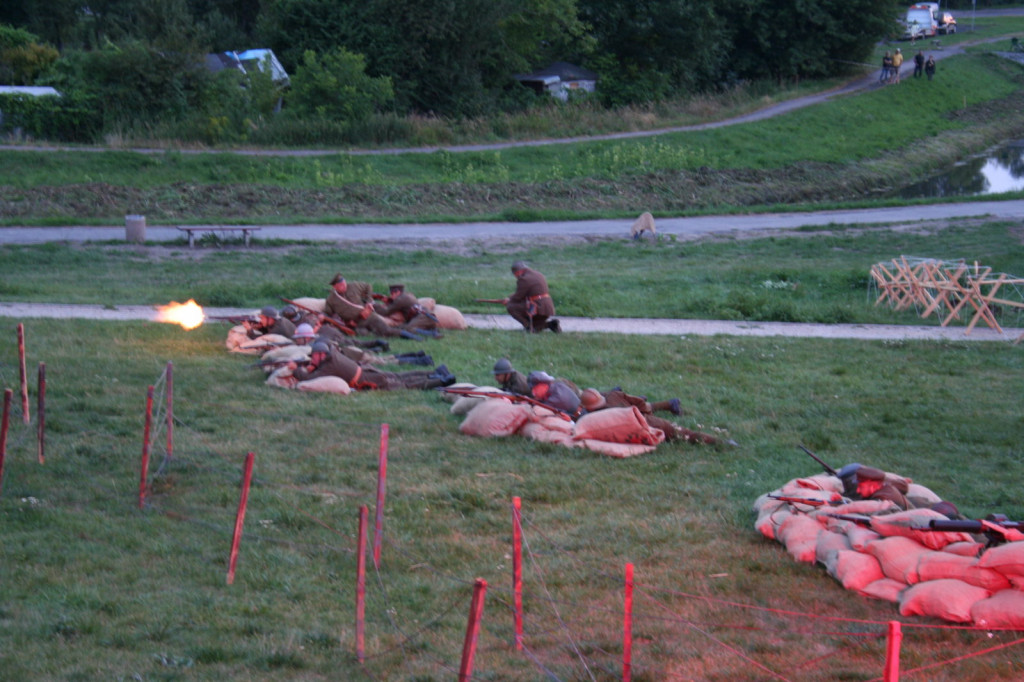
[
  {"x": 929, "y": 67},
  {"x": 897, "y": 62},
  {"x": 918, "y": 64}
]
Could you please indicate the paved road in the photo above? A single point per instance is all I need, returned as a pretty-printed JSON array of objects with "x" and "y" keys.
[{"x": 681, "y": 227}]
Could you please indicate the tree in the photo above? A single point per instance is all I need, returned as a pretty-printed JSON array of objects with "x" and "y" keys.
[{"x": 335, "y": 86}]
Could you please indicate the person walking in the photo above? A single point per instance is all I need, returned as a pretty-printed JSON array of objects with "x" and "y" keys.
[
  {"x": 897, "y": 62},
  {"x": 886, "y": 73},
  {"x": 918, "y": 64},
  {"x": 929, "y": 67}
]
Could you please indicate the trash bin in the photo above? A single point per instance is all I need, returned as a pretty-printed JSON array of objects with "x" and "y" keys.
[{"x": 135, "y": 228}]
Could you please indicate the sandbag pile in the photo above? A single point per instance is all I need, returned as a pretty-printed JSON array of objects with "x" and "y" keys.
[
  {"x": 947, "y": 575},
  {"x": 616, "y": 432}
]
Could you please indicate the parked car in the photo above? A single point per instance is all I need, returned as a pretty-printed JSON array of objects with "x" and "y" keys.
[
  {"x": 947, "y": 24},
  {"x": 921, "y": 21}
]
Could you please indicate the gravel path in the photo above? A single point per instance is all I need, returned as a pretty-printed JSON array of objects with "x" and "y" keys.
[{"x": 582, "y": 324}]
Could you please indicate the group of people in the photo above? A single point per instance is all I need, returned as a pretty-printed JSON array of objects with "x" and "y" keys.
[
  {"x": 893, "y": 62},
  {"x": 565, "y": 397}
]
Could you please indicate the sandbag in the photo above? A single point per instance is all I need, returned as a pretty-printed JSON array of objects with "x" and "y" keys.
[
  {"x": 281, "y": 378},
  {"x": 885, "y": 589},
  {"x": 1008, "y": 559},
  {"x": 261, "y": 344},
  {"x": 428, "y": 303},
  {"x": 494, "y": 418},
  {"x": 237, "y": 335},
  {"x": 768, "y": 523},
  {"x": 919, "y": 492},
  {"x": 942, "y": 565},
  {"x": 869, "y": 507},
  {"x": 553, "y": 423},
  {"x": 906, "y": 524},
  {"x": 327, "y": 384},
  {"x": 449, "y": 317},
  {"x": 971, "y": 548},
  {"x": 947, "y": 599},
  {"x": 452, "y": 397},
  {"x": 854, "y": 569},
  {"x": 540, "y": 433},
  {"x": 828, "y": 544},
  {"x": 799, "y": 533},
  {"x": 1004, "y": 609},
  {"x": 465, "y": 403},
  {"x": 822, "y": 482},
  {"x": 619, "y": 450},
  {"x": 898, "y": 557},
  {"x": 617, "y": 425},
  {"x": 315, "y": 304}
]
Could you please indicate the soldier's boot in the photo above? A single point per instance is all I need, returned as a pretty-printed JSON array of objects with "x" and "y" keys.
[
  {"x": 413, "y": 359},
  {"x": 672, "y": 406},
  {"x": 555, "y": 326},
  {"x": 406, "y": 334}
]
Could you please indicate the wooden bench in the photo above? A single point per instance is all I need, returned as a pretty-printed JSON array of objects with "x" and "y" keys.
[{"x": 247, "y": 232}]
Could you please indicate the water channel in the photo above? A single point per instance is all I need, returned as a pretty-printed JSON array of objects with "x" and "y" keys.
[{"x": 998, "y": 170}]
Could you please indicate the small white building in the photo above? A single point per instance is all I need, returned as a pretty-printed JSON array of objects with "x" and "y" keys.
[
  {"x": 559, "y": 79},
  {"x": 29, "y": 90}
]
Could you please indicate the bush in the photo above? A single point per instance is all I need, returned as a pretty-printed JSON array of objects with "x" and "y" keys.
[
  {"x": 335, "y": 86},
  {"x": 70, "y": 118}
]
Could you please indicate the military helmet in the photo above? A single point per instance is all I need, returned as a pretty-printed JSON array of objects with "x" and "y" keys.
[
  {"x": 502, "y": 366},
  {"x": 290, "y": 311},
  {"x": 539, "y": 377},
  {"x": 269, "y": 311},
  {"x": 303, "y": 331},
  {"x": 519, "y": 265},
  {"x": 320, "y": 346}
]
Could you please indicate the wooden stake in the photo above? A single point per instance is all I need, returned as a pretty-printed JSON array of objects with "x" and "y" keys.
[
  {"x": 382, "y": 475},
  {"x": 4, "y": 423},
  {"x": 23, "y": 374},
  {"x": 476, "y": 612},
  {"x": 627, "y": 628},
  {"x": 41, "y": 412},
  {"x": 364, "y": 514},
  {"x": 892, "y": 652},
  {"x": 144, "y": 476},
  {"x": 517, "y": 571},
  {"x": 170, "y": 410},
  {"x": 240, "y": 517}
]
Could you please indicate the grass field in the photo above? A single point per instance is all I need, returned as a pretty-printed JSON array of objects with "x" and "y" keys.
[{"x": 96, "y": 588}]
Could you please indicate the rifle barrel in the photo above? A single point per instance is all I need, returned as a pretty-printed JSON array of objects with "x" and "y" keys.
[{"x": 817, "y": 459}]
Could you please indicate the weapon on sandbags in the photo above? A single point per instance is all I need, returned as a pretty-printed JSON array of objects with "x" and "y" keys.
[
  {"x": 996, "y": 528},
  {"x": 514, "y": 397},
  {"x": 490, "y": 300},
  {"x": 348, "y": 331},
  {"x": 809, "y": 501},
  {"x": 234, "y": 319},
  {"x": 817, "y": 459}
]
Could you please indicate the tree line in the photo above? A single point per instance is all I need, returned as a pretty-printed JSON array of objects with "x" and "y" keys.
[{"x": 121, "y": 64}]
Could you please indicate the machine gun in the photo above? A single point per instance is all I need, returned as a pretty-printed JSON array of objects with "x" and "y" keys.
[{"x": 996, "y": 528}]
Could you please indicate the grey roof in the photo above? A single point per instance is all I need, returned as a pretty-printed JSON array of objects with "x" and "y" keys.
[{"x": 561, "y": 70}]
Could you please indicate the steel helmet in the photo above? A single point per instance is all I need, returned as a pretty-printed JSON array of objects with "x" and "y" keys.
[
  {"x": 502, "y": 366},
  {"x": 303, "y": 331},
  {"x": 269, "y": 311},
  {"x": 320, "y": 347}
]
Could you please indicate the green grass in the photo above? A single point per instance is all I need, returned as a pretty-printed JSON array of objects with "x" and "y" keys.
[{"x": 95, "y": 588}]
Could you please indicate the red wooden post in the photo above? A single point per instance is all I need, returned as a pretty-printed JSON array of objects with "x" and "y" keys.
[
  {"x": 382, "y": 476},
  {"x": 145, "y": 448},
  {"x": 517, "y": 571},
  {"x": 170, "y": 410},
  {"x": 476, "y": 612},
  {"x": 41, "y": 412},
  {"x": 364, "y": 514},
  {"x": 23, "y": 374},
  {"x": 4, "y": 423},
  {"x": 892, "y": 652},
  {"x": 627, "y": 628},
  {"x": 240, "y": 517}
]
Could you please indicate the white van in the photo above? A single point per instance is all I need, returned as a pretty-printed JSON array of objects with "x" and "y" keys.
[{"x": 922, "y": 21}]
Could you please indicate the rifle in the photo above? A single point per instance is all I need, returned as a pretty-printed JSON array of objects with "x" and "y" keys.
[
  {"x": 514, "y": 397},
  {"x": 809, "y": 501},
  {"x": 234, "y": 319},
  {"x": 278, "y": 363},
  {"x": 343, "y": 327},
  {"x": 490, "y": 300},
  {"x": 996, "y": 528},
  {"x": 817, "y": 459},
  {"x": 859, "y": 519}
]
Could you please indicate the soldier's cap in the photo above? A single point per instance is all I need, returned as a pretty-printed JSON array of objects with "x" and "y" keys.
[
  {"x": 870, "y": 474},
  {"x": 519, "y": 265},
  {"x": 849, "y": 470},
  {"x": 269, "y": 311},
  {"x": 592, "y": 399},
  {"x": 539, "y": 377},
  {"x": 337, "y": 278},
  {"x": 946, "y": 509},
  {"x": 502, "y": 366},
  {"x": 303, "y": 331}
]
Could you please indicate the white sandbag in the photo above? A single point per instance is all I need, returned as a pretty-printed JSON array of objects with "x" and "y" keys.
[
  {"x": 287, "y": 354},
  {"x": 768, "y": 523},
  {"x": 799, "y": 533},
  {"x": 618, "y": 450},
  {"x": 465, "y": 403},
  {"x": 495, "y": 418},
  {"x": 261, "y": 344},
  {"x": 885, "y": 589},
  {"x": 908, "y": 523},
  {"x": 898, "y": 557},
  {"x": 314, "y": 304},
  {"x": 1008, "y": 559},
  {"x": 452, "y": 397},
  {"x": 828, "y": 544},
  {"x": 449, "y": 317},
  {"x": 1004, "y": 609},
  {"x": 540, "y": 433},
  {"x": 821, "y": 482},
  {"x": 854, "y": 569},
  {"x": 328, "y": 384},
  {"x": 618, "y": 425},
  {"x": 919, "y": 492},
  {"x": 281, "y": 378},
  {"x": 237, "y": 335},
  {"x": 942, "y": 565}
]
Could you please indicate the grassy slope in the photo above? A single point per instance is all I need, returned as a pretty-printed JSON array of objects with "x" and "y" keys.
[
  {"x": 95, "y": 588},
  {"x": 849, "y": 150}
]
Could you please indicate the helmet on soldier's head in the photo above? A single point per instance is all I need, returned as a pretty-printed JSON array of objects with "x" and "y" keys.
[
  {"x": 290, "y": 311},
  {"x": 502, "y": 366},
  {"x": 303, "y": 331},
  {"x": 519, "y": 265},
  {"x": 320, "y": 347},
  {"x": 396, "y": 287},
  {"x": 269, "y": 311},
  {"x": 539, "y": 377}
]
